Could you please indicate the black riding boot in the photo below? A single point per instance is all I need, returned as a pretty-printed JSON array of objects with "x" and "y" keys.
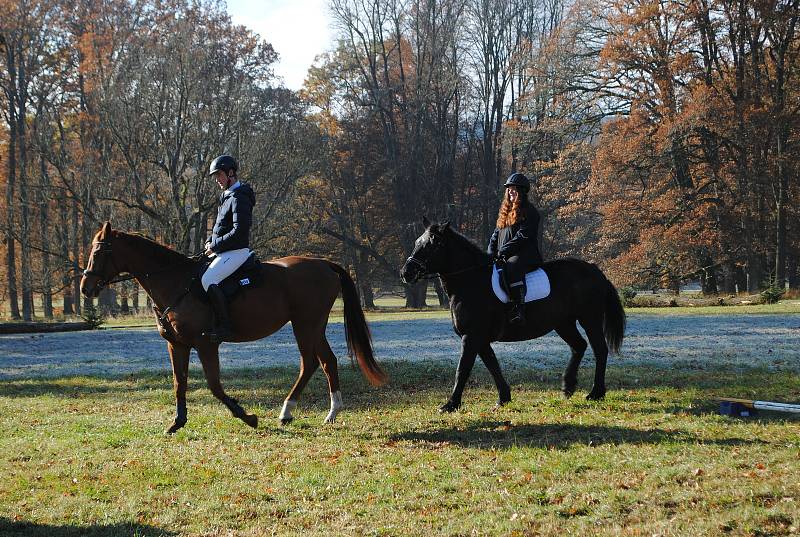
[
  {"x": 518, "y": 309},
  {"x": 222, "y": 321}
]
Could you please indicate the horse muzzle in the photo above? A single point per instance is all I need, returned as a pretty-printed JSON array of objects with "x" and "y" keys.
[
  {"x": 409, "y": 273},
  {"x": 90, "y": 286}
]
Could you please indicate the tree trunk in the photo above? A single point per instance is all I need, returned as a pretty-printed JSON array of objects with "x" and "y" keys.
[
  {"x": 135, "y": 298},
  {"x": 76, "y": 257},
  {"x": 107, "y": 301},
  {"x": 66, "y": 279},
  {"x": 793, "y": 272},
  {"x": 416, "y": 295},
  {"x": 25, "y": 227},
  {"x": 780, "y": 216},
  {"x": 444, "y": 301},
  {"x": 44, "y": 239},
  {"x": 11, "y": 254},
  {"x": 708, "y": 277},
  {"x": 741, "y": 279},
  {"x": 729, "y": 278},
  {"x": 755, "y": 273},
  {"x": 367, "y": 295},
  {"x": 363, "y": 281},
  {"x": 85, "y": 239},
  {"x": 123, "y": 299}
]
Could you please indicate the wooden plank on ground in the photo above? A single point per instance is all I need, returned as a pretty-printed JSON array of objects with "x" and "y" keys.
[{"x": 28, "y": 328}]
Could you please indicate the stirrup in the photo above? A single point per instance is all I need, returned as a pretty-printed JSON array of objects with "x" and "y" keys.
[{"x": 517, "y": 316}]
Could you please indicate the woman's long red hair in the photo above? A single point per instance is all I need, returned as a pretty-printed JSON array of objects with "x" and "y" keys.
[{"x": 510, "y": 213}]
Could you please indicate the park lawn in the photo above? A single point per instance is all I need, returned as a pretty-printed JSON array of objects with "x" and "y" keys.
[
  {"x": 403, "y": 314},
  {"x": 388, "y": 314},
  {"x": 87, "y": 456}
]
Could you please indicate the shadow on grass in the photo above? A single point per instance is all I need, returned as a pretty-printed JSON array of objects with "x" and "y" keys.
[
  {"x": 503, "y": 435},
  {"x": 144, "y": 383},
  {"x": 28, "y": 529},
  {"x": 412, "y": 381}
]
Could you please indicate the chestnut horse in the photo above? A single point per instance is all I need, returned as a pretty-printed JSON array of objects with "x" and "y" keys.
[{"x": 297, "y": 289}]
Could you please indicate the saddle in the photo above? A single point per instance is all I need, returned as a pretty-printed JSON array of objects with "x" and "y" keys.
[
  {"x": 537, "y": 285},
  {"x": 250, "y": 274}
]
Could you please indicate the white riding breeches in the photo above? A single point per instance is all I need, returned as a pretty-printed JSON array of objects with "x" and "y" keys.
[{"x": 224, "y": 265}]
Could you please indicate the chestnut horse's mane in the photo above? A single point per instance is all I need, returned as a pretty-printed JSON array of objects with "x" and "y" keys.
[{"x": 160, "y": 253}]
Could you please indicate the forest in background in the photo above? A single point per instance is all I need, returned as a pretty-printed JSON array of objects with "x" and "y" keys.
[{"x": 661, "y": 137}]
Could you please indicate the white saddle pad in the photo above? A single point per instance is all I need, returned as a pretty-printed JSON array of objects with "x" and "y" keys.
[{"x": 537, "y": 282}]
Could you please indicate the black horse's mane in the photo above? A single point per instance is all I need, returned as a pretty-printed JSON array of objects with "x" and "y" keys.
[
  {"x": 468, "y": 243},
  {"x": 161, "y": 253}
]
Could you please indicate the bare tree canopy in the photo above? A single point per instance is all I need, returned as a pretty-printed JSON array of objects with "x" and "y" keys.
[{"x": 661, "y": 137}]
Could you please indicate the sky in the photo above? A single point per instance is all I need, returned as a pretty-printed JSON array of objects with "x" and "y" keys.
[{"x": 297, "y": 29}]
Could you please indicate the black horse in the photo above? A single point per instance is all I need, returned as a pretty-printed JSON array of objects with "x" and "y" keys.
[{"x": 579, "y": 291}]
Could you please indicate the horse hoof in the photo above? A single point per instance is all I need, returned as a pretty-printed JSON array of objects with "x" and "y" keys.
[
  {"x": 448, "y": 407},
  {"x": 568, "y": 387},
  {"x": 286, "y": 421},
  {"x": 174, "y": 427},
  {"x": 329, "y": 420},
  {"x": 251, "y": 420},
  {"x": 595, "y": 396}
]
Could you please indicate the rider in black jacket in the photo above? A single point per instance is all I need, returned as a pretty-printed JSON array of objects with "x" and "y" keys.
[
  {"x": 515, "y": 240},
  {"x": 229, "y": 243}
]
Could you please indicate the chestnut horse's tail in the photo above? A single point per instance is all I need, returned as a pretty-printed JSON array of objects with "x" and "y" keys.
[{"x": 359, "y": 340}]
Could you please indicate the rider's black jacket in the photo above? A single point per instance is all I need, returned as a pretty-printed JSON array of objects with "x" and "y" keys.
[
  {"x": 234, "y": 217},
  {"x": 519, "y": 240}
]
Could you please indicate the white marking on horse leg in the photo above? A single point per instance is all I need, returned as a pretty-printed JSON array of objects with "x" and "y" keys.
[
  {"x": 286, "y": 411},
  {"x": 336, "y": 406}
]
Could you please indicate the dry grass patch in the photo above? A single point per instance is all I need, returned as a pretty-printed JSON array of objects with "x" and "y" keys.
[{"x": 87, "y": 456}]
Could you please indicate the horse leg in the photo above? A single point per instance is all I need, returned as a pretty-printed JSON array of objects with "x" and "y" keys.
[
  {"x": 469, "y": 350},
  {"x": 179, "y": 356},
  {"x": 490, "y": 361},
  {"x": 331, "y": 368},
  {"x": 569, "y": 333},
  {"x": 308, "y": 365},
  {"x": 594, "y": 331},
  {"x": 209, "y": 357}
]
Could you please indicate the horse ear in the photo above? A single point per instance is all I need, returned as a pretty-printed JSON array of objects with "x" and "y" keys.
[
  {"x": 445, "y": 225},
  {"x": 426, "y": 222},
  {"x": 106, "y": 231}
]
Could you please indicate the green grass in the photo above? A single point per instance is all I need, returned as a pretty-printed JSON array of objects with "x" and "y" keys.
[{"x": 87, "y": 456}]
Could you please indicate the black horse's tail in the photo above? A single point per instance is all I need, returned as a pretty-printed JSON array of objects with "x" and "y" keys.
[
  {"x": 613, "y": 318},
  {"x": 359, "y": 340}
]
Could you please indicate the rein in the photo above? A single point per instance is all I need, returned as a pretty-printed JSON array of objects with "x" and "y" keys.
[
  {"x": 104, "y": 247},
  {"x": 431, "y": 275}
]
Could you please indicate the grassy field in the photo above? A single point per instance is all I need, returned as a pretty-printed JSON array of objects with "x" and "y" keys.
[
  {"x": 397, "y": 313},
  {"x": 87, "y": 456},
  {"x": 392, "y": 308}
]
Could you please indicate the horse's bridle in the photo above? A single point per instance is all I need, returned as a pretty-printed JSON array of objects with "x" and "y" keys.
[
  {"x": 104, "y": 248},
  {"x": 422, "y": 266},
  {"x": 427, "y": 275}
]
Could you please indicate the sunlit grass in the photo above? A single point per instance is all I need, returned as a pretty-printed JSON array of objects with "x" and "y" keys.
[{"x": 653, "y": 458}]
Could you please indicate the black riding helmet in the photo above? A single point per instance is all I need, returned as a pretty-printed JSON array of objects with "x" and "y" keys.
[
  {"x": 518, "y": 180},
  {"x": 225, "y": 163}
]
